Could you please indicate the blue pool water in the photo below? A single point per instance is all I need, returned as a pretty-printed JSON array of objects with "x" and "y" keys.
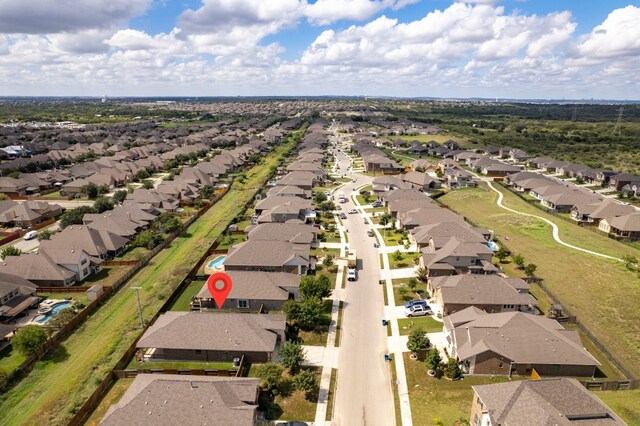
[
  {"x": 493, "y": 246},
  {"x": 54, "y": 310},
  {"x": 216, "y": 263}
]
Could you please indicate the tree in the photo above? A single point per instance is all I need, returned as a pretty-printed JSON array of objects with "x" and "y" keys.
[
  {"x": 319, "y": 197},
  {"x": 62, "y": 318},
  {"x": 142, "y": 174},
  {"x": 306, "y": 381},
  {"x": 147, "y": 184},
  {"x": 146, "y": 239},
  {"x": 413, "y": 284},
  {"x": 418, "y": 340},
  {"x": 306, "y": 313},
  {"x": 501, "y": 254},
  {"x": 397, "y": 256},
  {"x": 452, "y": 369},
  {"x": 207, "y": 191},
  {"x": 44, "y": 234},
  {"x": 433, "y": 359},
  {"x": 167, "y": 222},
  {"x": 74, "y": 216},
  {"x": 103, "y": 189},
  {"x": 120, "y": 195},
  {"x": 102, "y": 204},
  {"x": 3, "y": 197},
  {"x": 422, "y": 274},
  {"x": 402, "y": 291},
  {"x": 291, "y": 356},
  {"x": 384, "y": 219},
  {"x": 631, "y": 262},
  {"x": 10, "y": 251},
  {"x": 328, "y": 260},
  {"x": 518, "y": 260},
  {"x": 91, "y": 189},
  {"x": 530, "y": 269},
  {"x": 319, "y": 287},
  {"x": 29, "y": 339},
  {"x": 270, "y": 375}
]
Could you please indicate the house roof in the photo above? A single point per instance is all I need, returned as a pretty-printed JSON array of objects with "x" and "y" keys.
[
  {"x": 174, "y": 399},
  {"x": 459, "y": 229},
  {"x": 96, "y": 242},
  {"x": 214, "y": 332},
  {"x": 519, "y": 337},
  {"x": 428, "y": 216},
  {"x": 267, "y": 253},
  {"x": 292, "y": 233},
  {"x": 475, "y": 289},
  {"x": 258, "y": 285},
  {"x": 9, "y": 283},
  {"x": 629, "y": 222},
  {"x": 35, "y": 267},
  {"x": 549, "y": 402}
]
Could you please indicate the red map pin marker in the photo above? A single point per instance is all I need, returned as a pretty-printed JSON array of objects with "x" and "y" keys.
[{"x": 219, "y": 285}]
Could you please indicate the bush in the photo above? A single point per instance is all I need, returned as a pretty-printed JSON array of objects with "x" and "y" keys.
[
  {"x": 74, "y": 216},
  {"x": 291, "y": 356},
  {"x": 530, "y": 269},
  {"x": 29, "y": 339},
  {"x": 270, "y": 375},
  {"x": 120, "y": 195},
  {"x": 91, "y": 189},
  {"x": 451, "y": 369},
  {"x": 306, "y": 381},
  {"x": 44, "y": 234},
  {"x": 10, "y": 251},
  {"x": 397, "y": 256},
  {"x": 328, "y": 260},
  {"x": 433, "y": 359},
  {"x": 102, "y": 204}
]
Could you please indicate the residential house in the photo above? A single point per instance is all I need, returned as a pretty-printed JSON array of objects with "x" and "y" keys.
[
  {"x": 593, "y": 213},
  {"x": 456, "y": 256},
  {"x": 515, "y": 343},
  {"x": 432, "y": 214},
  {"x": 252, "y": 290},
  {"x": 16, "y": 295},
  {"x": 491, "y": 293},
  {"x": 603, "y": 177},
  {"x": 13, "y": 187},
  {"x": 458, "y": 178},
  {"x": 97, "y": 243},
  {"x": 382, "y": 184},
  {"x": 295, "y": 233},
  {"x": 171, "y": 399},
  {"x": 40, "y": 269},
  {"x": 268, "y": 256},
  {"x": 442, "y": 231},
  {"x": 617, "y": 182},
  {"x": 624, "y": 228},
  {"x": 421, "y": 181},
  {"x": 219, "y": 337},
  {"x": 560, "y": 401}
]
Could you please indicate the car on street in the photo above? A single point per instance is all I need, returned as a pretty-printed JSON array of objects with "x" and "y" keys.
[
  {"x": 353, "y": 211},
  {"x": 338, "y": 207},
  {"x": 417, "y": 311},
  {"x": 351, "y": 274},
  {"x": 370, "y": 233},
  {"x": 30, "y": 235},
  {"x": 343, "y": 216}
]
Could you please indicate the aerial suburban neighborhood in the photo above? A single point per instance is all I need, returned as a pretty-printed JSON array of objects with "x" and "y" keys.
[{"x": 362, "y": 256}]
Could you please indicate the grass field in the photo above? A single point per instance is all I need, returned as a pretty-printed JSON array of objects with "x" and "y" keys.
[
  {"x": 625, "y": 403},
  {"x": 405, "y": 260},
  {"x": 112, "y": 397},
  {"x": 602, "y": 293},
  {"x": 86, "y": 356},
  {"x": 433, "y": 398},
  {"x": 429, "y": 325}
]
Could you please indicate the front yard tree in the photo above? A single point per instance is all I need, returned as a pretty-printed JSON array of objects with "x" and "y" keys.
[
  {"x": 418, "y": 340},
  {"x": 413, "y": 284},
  {"x": 433, "y": 359},
  {"x": 120, "y": 195},
  {"x": 74, "y": 216},
  {"x": 91, "y": 189},
  {"x": 306, "y": 313},
  {"x": 147, "y": 184},
  {"x": 319, "y": 287},
  {"x": 422, "y": 274},
  {"x": 29, "y": 339},
  {"x": 207, "y": 192},
  {"x": 292, "y": 355},
  {"x": 530, "y": 269},
  {"x": 270, "y": 375},
  {"x": 306, "y": 381},
  {"x": 328, "y": 260},
  {"x": 452, "y": 369},
  {"x": 102, "y": 204},
  {"x": 397, "y": 256}
]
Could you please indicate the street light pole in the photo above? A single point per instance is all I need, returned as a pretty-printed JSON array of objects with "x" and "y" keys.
[{"x": 137, "y": 289}]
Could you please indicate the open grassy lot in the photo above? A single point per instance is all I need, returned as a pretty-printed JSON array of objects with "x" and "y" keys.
[
  {"x": 433, "y": 398},
  {"x": 86, "y": 356},
  {"x": 625, "y": 403},
  {"x": 405, "y": 260},
  {"x": 10, "y": 359},
  {"x": 440, "y": 138},
  {"x": 602, "y": 293},
  {"x": 427, "y": 323},
  {"x": 183, "y": 302}
]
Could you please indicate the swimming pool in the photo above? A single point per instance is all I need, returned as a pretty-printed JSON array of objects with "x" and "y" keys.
[
  {"x": 216, "y": 263},
  {"x": 54, "y": 310},
  {"x": 493, "y": 246}
]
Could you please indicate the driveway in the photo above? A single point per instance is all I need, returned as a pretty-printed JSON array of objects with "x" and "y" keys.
[{"x": 364, "y": 394}]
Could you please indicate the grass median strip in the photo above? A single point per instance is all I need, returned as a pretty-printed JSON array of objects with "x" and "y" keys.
[{"x": 77, "y": 366}]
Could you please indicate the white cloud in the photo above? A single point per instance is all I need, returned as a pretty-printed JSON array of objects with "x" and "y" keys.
[
  {"x": 617, "y": 36},
  {"x": 324, "y": 12},
  {"x": 53, "y": 16}
]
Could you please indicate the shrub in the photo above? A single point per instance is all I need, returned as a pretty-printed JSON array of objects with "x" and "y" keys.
[
  {"x": 291, "y": 356},
  {"x": 452, "y": 369},
  {"x": 10, "y": 251},
  {"x": 29, "y": 339},
  {"x": 270, "y": 375},
  {"x": 433, "y": 359},
  {"x": 530, "y": 269}
]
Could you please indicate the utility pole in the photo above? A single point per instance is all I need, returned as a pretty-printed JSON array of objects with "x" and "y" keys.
[{"x": 137, "y": 289}]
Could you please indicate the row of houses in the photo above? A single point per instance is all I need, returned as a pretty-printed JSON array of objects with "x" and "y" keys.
[
  {"x": 375, "y": 160},
  {"x": 491, "y": 324}
]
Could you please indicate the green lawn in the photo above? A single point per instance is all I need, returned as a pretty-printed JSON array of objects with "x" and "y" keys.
[
  {"x": 332, "y": 391},
  {"x": 625, "y": 403},
  {"x": 405, "y": 260},
  {"x": 87, "y": 355},
  {"x": 318, "y": 335},
  {"x": 183, "y": 303},
  {"x": 135, "y": 365},
  {"x": 112, "y": 397},
  {"x": 433, "y": 398},
  {"x": 294, "y": 405},
  {"x": 602, "y": 293},
  {"x": 338, "y": 325},
  {"x": 427, "y": 323},
  {"x": 408, "y": 295},
  {"x": 10, "y": 359},
  {"x": 231, "y": 240},
  {"x": 331, "y": 272},
  {"x": 391, "y": 237}
]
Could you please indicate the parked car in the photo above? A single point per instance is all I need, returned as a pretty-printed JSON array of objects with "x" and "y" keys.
[
  {"x": 353, "y": 211},
  {"x": 351, "y": 274},
  {"x": 370, "y": 233},
  {"x": 343, "y": 216},
  {"x": 415, "y": 302},
  {"x": 376, "y": 204},
  {"x": 417, "y": 311},
  {"x": 338, "y": 207},
  {"x": 30, "y": 235}
]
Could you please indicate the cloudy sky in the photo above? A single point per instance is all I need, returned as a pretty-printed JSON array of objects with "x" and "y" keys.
[{"x": 489, "y": 48}]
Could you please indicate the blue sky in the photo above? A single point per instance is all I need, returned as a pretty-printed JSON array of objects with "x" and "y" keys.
[{"x": 464, "y": 48}]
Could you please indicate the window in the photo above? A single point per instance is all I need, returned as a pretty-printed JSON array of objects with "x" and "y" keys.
[
  {"x": 243, "y": 304},
  {"x": 476, "y": 420}
]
